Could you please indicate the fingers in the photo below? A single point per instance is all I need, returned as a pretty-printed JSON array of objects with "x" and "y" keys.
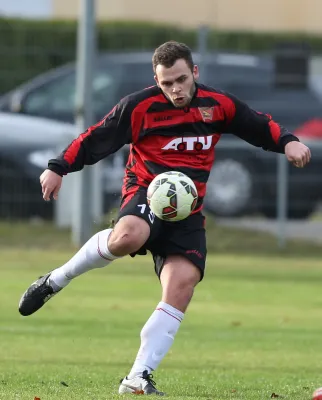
[
  {"x": 46, "y": 193},
  {"x": 308, "y": 156},
  {"x": 55, "y": 193},
  {"x": 50, "y": 184},
  {"x": 298, "y": 164},
  {"x": 303, "y": 159},
  {"x": 298, "y": 154}
]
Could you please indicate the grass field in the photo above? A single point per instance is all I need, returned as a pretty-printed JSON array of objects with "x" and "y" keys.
[{"x": 253, "y": 329}]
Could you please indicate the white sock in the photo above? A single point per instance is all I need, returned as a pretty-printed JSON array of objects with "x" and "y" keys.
[
  {"x": 157, "y": 337},
  {"x": 94, "y": 254}
]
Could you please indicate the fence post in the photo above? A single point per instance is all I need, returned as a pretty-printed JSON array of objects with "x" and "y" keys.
[
  {"x": 82, "y": 209},
  {"x": 202, "y": 49},
  {"x": 282, "y": 199}
]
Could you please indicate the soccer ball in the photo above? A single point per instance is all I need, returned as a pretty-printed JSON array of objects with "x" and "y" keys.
[{"x": 172, "y": 196}]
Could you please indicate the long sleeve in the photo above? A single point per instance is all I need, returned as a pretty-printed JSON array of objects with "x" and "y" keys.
[
  {"x": 256, "y": 128},
  {"x": 97, "y": 142}
]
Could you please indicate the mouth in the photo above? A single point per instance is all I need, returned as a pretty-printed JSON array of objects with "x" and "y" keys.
[{"x": 179, "y": 100}]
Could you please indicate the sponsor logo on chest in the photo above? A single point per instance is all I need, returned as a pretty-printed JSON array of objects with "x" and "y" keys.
[{"x": 189, "y": 143}]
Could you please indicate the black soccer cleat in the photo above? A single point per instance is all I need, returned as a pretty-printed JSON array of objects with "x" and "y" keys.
[
  {"x": 141, "y": 384},
  {"x": 36, "y": 296}
]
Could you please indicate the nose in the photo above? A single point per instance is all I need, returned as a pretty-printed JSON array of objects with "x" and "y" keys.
[{"x": 176, "y": 89}]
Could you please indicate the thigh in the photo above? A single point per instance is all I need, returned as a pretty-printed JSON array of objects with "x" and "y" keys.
[
  {"x": 178, "y": 277},
  {"x": 135, "y": 203},
  {"x": 186, "y": 238}
]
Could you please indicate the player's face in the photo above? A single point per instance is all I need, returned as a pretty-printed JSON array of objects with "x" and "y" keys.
[{"x": 177, "y": 82}]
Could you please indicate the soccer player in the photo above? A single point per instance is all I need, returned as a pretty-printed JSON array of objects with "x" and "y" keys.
[{"x": 173, "y": 125}]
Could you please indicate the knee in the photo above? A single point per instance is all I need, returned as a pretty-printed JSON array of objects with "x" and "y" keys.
[
  {"x": 178, "y": 294},
  {"x": 128, "y": 236},
  {"x": 183, "y": 288}
]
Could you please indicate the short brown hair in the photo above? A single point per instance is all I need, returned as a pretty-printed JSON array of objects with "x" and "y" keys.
[{"x": 168, "y": 53}]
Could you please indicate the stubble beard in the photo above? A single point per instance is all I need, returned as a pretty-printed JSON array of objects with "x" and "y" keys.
[{"x": 191, "y": 93}]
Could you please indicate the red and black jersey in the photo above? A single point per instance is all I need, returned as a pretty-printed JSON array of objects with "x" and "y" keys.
[{"x": 163, "y": 137}]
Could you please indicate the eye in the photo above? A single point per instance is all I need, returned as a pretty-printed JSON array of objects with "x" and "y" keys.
[
  {"x": 167, "y": 84},
  {"x": 182, "y": 79}
]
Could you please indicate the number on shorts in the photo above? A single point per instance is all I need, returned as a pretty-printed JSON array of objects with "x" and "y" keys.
[{"x": 142, "y": 210}]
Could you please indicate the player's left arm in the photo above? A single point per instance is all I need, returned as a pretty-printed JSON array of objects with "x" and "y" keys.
[{"x": 261, "y": 130}]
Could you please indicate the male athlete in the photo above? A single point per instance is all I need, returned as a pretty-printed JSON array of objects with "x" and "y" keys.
[{"x": 174, "y": 125}]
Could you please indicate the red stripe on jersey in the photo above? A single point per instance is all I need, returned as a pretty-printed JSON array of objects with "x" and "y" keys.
[
  {"x": 72, "y": 151},
  {"x": 223, "y": 100},
  {"x": 275, "y": 131},
  {"x": 274, "y": 128},
  {"x": 139, "y": 112},
  {"x": 176, "y": 117},
  {"x": 145, "y": 176},
  {"x": 128, "y": 195}
]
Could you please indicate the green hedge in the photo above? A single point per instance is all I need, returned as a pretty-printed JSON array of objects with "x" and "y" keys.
[{"x": 31, "y": 47}]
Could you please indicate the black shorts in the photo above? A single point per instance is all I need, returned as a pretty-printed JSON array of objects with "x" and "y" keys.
[{"x": 186, "y": 237}]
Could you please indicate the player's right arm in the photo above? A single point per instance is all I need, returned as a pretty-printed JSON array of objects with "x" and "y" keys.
[{"x": 96, "y": 143}]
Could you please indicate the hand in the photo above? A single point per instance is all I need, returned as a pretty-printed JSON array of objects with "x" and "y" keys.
[
  {"x": 50, "y": 184},
  {"x": 298, "y": 154}
]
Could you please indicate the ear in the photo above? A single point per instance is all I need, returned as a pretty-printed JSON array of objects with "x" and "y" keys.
[
  {"x": 195, "y": 72},
  {"x": 156, "y": 80}
]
